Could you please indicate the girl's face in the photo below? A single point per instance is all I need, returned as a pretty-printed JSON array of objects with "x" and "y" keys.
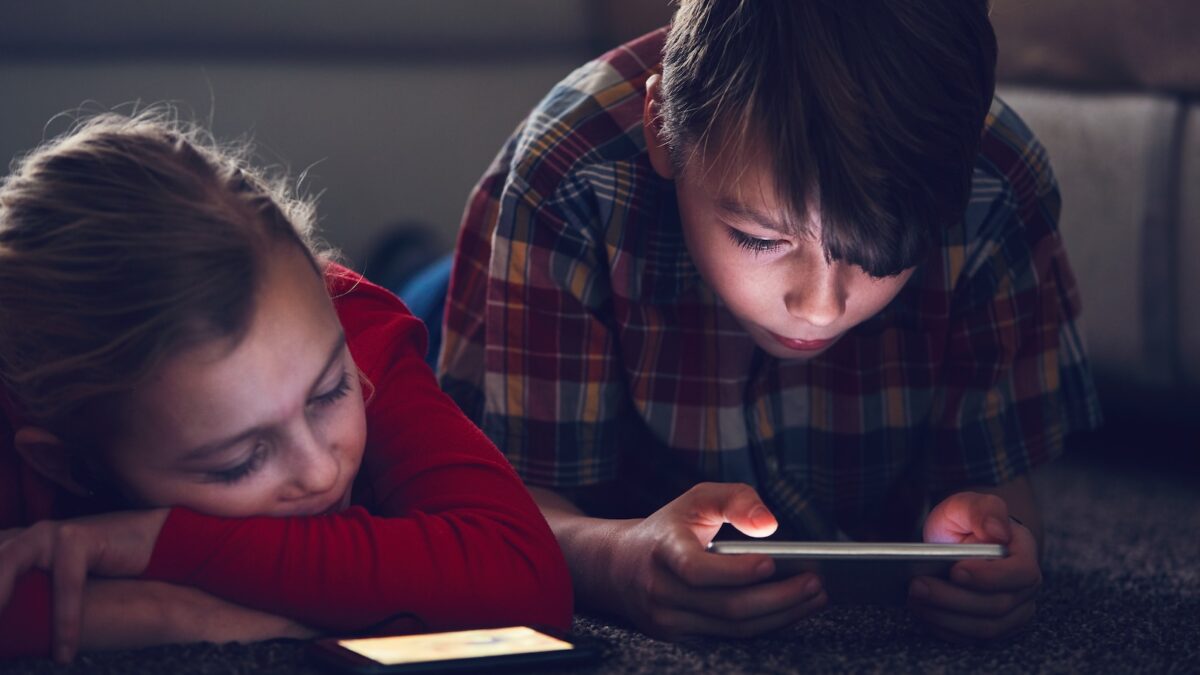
[{"x": 273, "y": 425}]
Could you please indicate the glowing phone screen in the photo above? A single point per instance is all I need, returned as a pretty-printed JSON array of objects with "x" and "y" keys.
[{"x": 467, "y": 644}]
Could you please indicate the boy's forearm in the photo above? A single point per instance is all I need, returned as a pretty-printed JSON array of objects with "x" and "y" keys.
[
  {"x": 130, "y": 614},
  {"x": 587, "y": 544}
]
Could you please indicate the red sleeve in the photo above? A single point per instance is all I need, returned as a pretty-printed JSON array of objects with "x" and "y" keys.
[
  {"x": 25, "y": 620},
  {"x": 456, "y": 540}
]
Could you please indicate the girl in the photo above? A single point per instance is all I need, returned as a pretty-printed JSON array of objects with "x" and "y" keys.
[{"x": 214, "y": 433}]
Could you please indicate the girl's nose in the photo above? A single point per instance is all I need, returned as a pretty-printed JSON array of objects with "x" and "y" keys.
[{"x": 315, "y": 466}]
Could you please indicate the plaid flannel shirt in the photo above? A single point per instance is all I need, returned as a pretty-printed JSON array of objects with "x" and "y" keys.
[{"x": 580, "y": 337}]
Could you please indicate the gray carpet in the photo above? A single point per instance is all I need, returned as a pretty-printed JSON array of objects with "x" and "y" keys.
[{"x": 1122, "y": 595}]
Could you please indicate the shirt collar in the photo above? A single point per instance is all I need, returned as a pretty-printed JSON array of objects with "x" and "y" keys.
[{"x": 665, "y": 268}]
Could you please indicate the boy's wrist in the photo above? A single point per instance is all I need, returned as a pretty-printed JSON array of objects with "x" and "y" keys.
[{"x": 595, "y": 562}]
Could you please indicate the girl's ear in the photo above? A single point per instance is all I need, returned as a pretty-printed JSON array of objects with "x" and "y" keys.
[
  {"x": 660, "y": 155},
  {"x": 49, "y": 456}
]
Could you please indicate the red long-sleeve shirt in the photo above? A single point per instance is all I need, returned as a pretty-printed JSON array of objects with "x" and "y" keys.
[{"x": 443, "y": 534}]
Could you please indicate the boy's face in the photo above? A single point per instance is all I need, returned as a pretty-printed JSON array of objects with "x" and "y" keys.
[
  {"x": 779, "y": 286},
  {"x": 777, "y": 283}
]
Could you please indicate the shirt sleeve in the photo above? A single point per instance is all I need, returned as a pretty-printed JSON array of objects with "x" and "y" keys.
[
  {"x": 529, "y": 344},
  {"x": 1016, "y": 378},
  {"x": 25, "y": 620},
  {"x": 455, "y": 540}
]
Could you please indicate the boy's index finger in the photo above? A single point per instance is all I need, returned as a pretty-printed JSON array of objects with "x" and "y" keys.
[
  {"x": 745, "y": 510},
  {"x": 709, "y": 505}
]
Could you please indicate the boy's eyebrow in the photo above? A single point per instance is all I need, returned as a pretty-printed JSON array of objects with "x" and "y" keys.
[
  {"x": 204, "y": 451},
  {"x": 735, "y": 208}
]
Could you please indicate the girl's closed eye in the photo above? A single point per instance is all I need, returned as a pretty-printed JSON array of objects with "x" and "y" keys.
[
  {"x": 236, "y": 473},
  {"x": 753, "y": 244},
  {"x": 330, "y": 397},
  {"x": 259, "y": 455}
]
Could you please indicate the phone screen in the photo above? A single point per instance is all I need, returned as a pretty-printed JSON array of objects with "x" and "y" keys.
[{"x": 466, "y": 644}]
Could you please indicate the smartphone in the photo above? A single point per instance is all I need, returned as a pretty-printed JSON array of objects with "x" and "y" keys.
[
  {"x": 863, "y": 573},
  {"x": 513, "y": 647}
]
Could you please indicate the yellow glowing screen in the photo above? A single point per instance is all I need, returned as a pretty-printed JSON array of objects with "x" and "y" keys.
[{"x": 466, "y": 644}]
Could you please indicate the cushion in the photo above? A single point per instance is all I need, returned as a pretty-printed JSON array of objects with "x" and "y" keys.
[{"x": 1114, "y": 155}]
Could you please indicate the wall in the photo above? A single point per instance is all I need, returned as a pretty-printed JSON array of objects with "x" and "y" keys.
[{"x": 392, "y": 109}]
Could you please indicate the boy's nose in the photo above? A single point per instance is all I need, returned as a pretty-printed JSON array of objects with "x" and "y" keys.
[{"x": 817, "y": 298}]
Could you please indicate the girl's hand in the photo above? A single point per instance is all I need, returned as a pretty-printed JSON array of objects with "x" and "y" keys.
[
  {"x": 132, "y": 614},
  {"x": 662, "y": 577},
  {"x": 109, "y": 545},
  {"x": 984, "y": 599}
]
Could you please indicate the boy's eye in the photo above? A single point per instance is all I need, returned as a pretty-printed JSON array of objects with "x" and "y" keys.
[
  {"x": 331, "y": 396},
  {"x": 754, "y": 244}
]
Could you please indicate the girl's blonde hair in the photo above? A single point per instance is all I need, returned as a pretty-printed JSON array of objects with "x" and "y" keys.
[{"x": 123, "y": 242}]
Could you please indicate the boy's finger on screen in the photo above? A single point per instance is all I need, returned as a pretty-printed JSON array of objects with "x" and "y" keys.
[{"x": 734, "y": 503}]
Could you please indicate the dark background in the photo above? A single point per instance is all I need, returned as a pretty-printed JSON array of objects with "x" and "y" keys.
[{"x": 391, "y": 109}]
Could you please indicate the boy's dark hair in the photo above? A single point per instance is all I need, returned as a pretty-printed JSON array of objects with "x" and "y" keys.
[{"x": 874, "y": 109}]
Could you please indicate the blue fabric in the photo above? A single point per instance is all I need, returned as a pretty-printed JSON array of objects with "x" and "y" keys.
[{"x": 425, "y": 295}]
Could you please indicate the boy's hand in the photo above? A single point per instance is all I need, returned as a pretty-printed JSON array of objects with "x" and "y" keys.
[
  {"x": 671, "y": 587},
  {"x": 984, "y": 599},
  {"x": 110, "y": 545}
]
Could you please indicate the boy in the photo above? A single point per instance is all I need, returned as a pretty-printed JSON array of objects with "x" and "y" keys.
[{"x": 763, "y": 268}]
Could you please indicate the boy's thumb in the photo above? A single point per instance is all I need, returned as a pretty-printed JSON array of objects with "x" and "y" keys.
[{"x": 990, "y": 516}]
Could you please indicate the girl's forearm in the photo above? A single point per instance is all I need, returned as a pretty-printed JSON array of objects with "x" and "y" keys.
[{"x": 130, "y": 614}]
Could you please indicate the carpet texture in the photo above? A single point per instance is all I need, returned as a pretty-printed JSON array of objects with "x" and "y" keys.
[{"x": 1121, "y": 595}]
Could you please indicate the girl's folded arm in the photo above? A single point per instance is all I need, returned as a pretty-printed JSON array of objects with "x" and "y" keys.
[
  {"x": 131, "y": 614},
  {"x": 454, "y": 538}
]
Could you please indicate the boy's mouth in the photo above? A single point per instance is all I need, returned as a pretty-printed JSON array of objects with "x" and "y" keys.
[{"x": 803, "y": 345}]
